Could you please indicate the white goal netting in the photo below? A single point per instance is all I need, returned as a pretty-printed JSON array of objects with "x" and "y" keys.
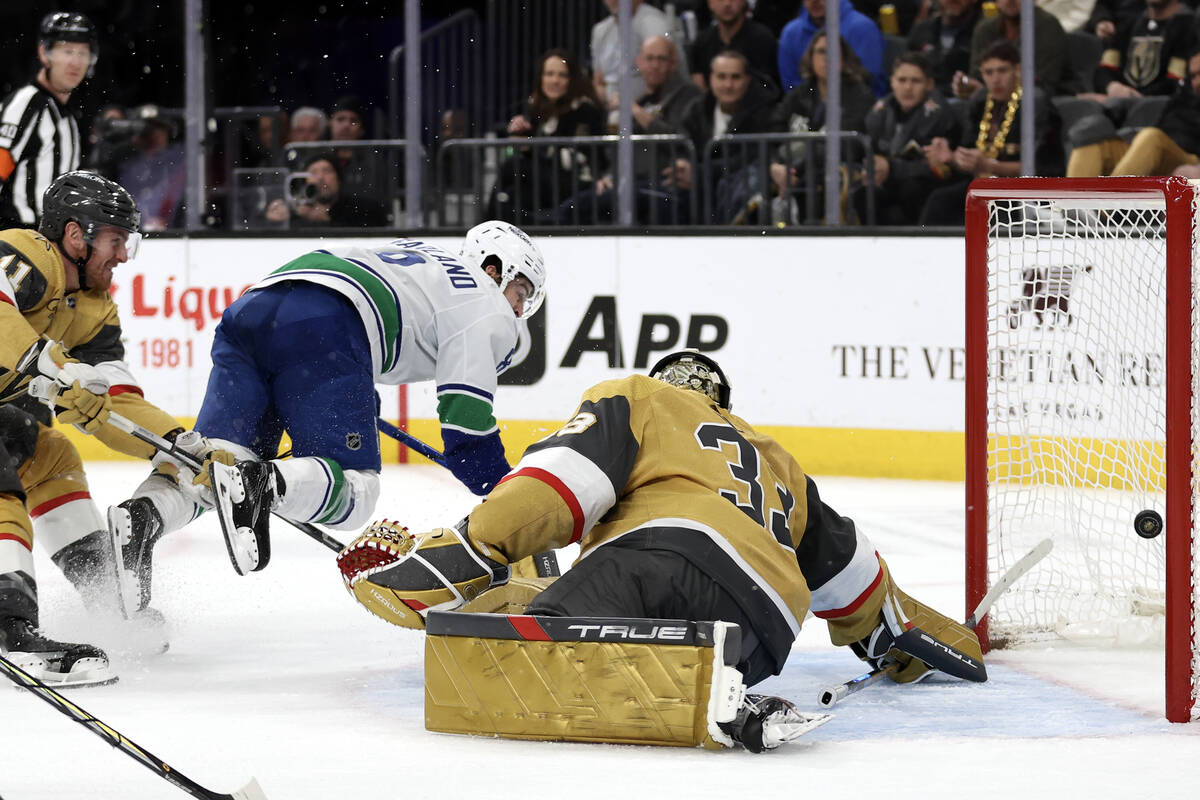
[{"x": 1076, "y": 417}]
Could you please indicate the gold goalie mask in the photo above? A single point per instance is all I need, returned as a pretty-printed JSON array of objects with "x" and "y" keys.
[{"x": 401, "y": 577}]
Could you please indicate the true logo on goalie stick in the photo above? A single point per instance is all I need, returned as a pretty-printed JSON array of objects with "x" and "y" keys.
[{"x": 353, "y": 441}]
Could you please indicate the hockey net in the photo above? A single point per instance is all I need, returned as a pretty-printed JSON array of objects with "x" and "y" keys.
[{"x": 1077, "y": 369}]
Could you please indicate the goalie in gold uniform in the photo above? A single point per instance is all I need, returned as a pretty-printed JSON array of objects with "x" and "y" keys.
[
  {"x": 683, "y": 511},
  {"x": 59, "y": 323}
]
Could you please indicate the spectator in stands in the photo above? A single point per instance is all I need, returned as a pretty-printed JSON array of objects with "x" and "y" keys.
[
  {"x": 111, "y": 141},
  {"x": 1109, "y": 16},
  {"x": 734, "y": 104},
  {"x": 991, "y": 143},
  {"x": 308, "y": 124},
  {"x": 945, "y": 40},
  {"x": 1172, "y": 146},
  {"x": 269, "y": 134},
  {"x": 659, "y": 111},
  {"x": 562, "y": 103},
  {"x": 803, "y": 110},
  {"x": 157, "y": 175},
  {"x": 1051, "y": 56},
  {"x": 319, "y": 201},
  {"x": 360, "y": 169},
  {"x": 606, "y": 47},
  {"x": 901, "y": 126},
  {"x": 1148, "y": 56},
  {"x": 459, "y": 165},
  {"x": 863, "y": 36},
  {"x": 733, "y": 29}
]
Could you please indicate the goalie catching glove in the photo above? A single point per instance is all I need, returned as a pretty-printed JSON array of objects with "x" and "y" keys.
[
  {"x": 76, "y": 392},
  {"x": 401, "y": 578}
]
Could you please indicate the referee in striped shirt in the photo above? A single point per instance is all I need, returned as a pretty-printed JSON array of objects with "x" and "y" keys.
[{"x": 39, "y": 137}]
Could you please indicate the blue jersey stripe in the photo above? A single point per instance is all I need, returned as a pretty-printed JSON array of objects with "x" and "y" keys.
[{"x": 463, "y": 388}]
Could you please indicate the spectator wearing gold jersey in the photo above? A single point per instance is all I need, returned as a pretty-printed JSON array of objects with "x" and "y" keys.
[{"x": 1170, "y": 146}]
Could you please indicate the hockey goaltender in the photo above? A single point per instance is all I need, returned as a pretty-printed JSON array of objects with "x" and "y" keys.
[{"x": 683, "y": 512}]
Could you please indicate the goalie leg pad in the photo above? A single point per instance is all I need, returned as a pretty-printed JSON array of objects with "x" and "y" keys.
[{"x": 615, "y": 691}]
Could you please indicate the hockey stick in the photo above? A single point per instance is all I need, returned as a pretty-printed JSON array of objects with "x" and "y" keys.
[
  {"x": 188, "y": 459},
  {"x": 830, "y": 695},
  {"x": 251, "y": 791},
  {"x": 546, "y": 563}
]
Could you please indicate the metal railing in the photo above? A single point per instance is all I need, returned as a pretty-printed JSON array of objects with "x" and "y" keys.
[
  {"x": 455, "y": 84},
  {"x": 370, "y": 171},
  {"x": 555, "y": 180},
  {"x": 739, "y": 188}
]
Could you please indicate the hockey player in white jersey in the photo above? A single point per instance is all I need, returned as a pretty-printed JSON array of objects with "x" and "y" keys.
[{"x": 302, "y": 351}]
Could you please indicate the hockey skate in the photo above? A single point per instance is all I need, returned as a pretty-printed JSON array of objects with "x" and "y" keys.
[
  {"x": 765, "y": 722},
  {"x": 135, "y": 526},
  {"x": 56, "y": 664},
  {"x": 245, "y": 493}
]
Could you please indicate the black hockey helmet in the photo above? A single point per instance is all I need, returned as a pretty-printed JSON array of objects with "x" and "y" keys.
[
  {"x": 92, "y": 201},
  {"x": 68, "y": 26},
  {"x": 691, "y": 369}
]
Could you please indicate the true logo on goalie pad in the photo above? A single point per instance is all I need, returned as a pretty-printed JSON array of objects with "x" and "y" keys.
[{"x": 608, "y": 632}]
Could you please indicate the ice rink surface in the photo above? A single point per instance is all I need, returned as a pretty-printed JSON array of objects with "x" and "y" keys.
[{"x": 281, "y": 676}]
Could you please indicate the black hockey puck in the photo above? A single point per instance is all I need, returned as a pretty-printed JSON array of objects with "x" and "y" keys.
[{"x": 1148, "y": 524}]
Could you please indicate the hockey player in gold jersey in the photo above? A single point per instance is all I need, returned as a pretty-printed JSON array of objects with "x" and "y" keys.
[
  {"x": 59, "y": 322},
  {"x": 682, "y": 511}
]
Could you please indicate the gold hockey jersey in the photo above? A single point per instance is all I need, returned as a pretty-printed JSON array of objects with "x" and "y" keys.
[
  {"x": 641, "y": 457},
  {"x": 34, "y": 303}
]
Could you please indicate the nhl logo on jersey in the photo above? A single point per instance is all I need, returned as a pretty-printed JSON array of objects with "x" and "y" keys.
[{"x": 354, "y": 440}]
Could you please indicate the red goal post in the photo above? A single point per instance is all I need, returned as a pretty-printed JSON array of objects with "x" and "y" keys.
[{"x": 1081, "y": 349}]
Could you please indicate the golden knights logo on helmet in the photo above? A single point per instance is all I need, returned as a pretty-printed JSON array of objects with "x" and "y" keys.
[{"x": 691, "y": 369}]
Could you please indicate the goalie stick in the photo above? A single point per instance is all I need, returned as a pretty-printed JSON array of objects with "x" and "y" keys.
[
  {"x": 830, "y": 695},
  {"x": 251, "y": 791}
]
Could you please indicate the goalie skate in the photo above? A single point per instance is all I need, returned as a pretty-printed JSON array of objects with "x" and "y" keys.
[
  {"x": 57, "y": 664},
  {"x": 765, "y": 722},
  {"x": 244, "y": 494}
]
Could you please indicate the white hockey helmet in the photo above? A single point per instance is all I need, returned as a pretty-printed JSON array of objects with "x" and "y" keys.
[{"x": 517, "y": 253}]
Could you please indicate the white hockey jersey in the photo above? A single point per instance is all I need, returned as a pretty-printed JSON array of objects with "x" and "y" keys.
[{"x": 428, "y": 316}]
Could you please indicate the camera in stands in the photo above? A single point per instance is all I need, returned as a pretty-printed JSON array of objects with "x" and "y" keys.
[{"x": 299, "y": 190}]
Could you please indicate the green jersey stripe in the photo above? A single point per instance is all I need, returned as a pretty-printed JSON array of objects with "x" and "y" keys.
[
  {"x": 335, "y": 507},
  {"x": 466, "y": 412}
]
